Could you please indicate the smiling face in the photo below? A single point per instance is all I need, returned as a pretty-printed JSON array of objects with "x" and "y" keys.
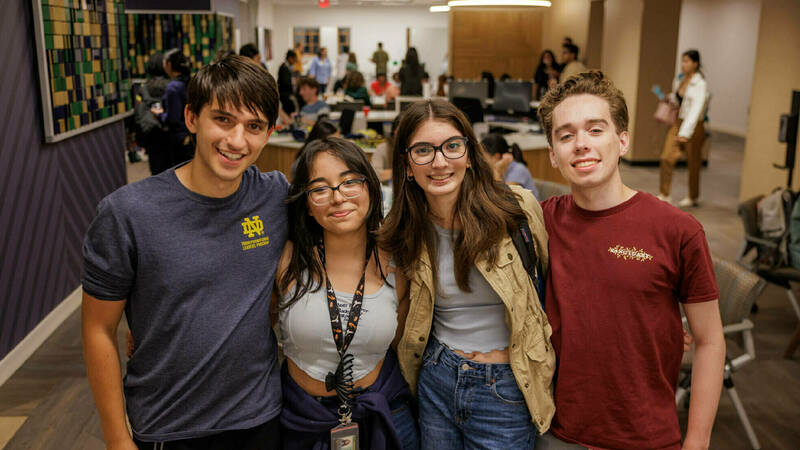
[
  {"x": 440, "y": 179},
  {"x": 341, "y": 215},
  {"x": 586, "y": 146},
  {"x": 228, "y": 141}
]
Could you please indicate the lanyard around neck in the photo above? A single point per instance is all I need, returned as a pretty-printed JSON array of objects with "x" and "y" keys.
[{"x": 342, "y": 338}]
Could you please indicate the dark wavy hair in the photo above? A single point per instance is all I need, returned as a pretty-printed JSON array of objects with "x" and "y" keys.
[
  {"x": 305, "y": 268},
  {"x": 487, "y": 210},
  {"x": 235, "y": 81}
]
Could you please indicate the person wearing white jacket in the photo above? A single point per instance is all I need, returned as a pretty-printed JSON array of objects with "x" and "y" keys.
[{"x": 690, "y": 94}]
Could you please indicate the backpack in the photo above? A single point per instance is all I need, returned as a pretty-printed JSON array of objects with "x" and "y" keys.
[
  {"x": 522, "y": 237},
  {"x": 794, "y": 236},
  {"x": 774, "y": 213},
  {"x": 148, "y": 130}
]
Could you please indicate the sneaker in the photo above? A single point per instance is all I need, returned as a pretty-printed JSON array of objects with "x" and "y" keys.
[
  {"x": 689, "y": 203},
  {"x": 664, "y": 198}
]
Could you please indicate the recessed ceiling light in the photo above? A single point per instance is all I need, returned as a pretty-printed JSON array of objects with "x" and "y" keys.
[
  {"x": 454, "y": 3},
  {"x": 439, "y": 8}
]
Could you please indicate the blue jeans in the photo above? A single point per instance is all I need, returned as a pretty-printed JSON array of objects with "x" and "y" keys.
[
  {"x": 464, "y": 404},
  {"x": 405, "y": 425}
]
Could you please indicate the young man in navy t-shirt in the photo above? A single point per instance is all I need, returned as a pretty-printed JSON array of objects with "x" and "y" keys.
[
  {"x": 190, "y": 256},
  {"x": 621, "y": 261}
]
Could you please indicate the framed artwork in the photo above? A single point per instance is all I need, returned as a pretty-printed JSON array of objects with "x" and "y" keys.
[
  {"x": 83, "y": 73},
  {"x": 199, "y": 36}
]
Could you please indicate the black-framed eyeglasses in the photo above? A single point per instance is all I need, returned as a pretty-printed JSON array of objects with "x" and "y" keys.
[
  {"x": 424, "y": 153},
  {"x": 349, "y": 189}
]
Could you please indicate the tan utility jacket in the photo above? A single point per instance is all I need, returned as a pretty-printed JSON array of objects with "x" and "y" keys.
[{"x": 532, "y": 356}]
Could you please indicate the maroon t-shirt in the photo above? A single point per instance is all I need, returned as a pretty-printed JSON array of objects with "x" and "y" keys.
[{"x": 616, "y": 277}]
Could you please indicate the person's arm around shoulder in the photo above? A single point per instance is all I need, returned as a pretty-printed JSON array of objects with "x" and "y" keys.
[
  {"x": 99, "y": 321},
  {"x": 707, "y": 371}
]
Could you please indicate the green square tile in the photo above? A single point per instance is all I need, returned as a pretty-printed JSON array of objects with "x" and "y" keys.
[
  {"x": 98, "y": 78},
  {"x": 55, "y": 70},
  {"x": 87, "y": 66},
  {"x": 71, "y": 123},
  {"x": 48, "y": 41}
]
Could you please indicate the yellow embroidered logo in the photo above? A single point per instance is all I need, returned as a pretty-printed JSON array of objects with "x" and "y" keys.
[
  {"x": 250, "y": 228},
  {"x": 630, "y": 253}
]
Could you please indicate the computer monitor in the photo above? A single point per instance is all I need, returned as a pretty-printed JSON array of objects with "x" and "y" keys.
[
  {"x": 512, "y": 97},
  {"x": 469, "y": 89}
]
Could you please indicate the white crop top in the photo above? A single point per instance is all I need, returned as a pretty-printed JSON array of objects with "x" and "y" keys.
[{"x": 308, "y": 341}]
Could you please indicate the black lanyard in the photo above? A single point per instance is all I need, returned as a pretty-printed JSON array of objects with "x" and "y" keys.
[
  {"x": 341, "y": 339},
  {"x": 342, "y": 380}
]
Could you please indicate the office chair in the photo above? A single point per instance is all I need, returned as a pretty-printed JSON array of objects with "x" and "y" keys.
[
  {"x": 738, "y": 289},
  {"x": 549, "y": 189},
  {"x": 346, "y": 121},
  {"x": 765, "y": 263},
  {"x": 471, "y": 107}
]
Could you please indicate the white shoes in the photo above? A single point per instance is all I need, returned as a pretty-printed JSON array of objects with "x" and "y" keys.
[
  {"x": 664, "y": 198},
  {"x": 689, "y": 203}
]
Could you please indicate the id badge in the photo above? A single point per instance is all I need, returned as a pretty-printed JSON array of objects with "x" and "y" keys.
[{"x": 345, "y": 437}]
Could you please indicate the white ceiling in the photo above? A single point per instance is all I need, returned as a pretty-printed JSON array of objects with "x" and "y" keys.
[{"x": 362, "y": 2}]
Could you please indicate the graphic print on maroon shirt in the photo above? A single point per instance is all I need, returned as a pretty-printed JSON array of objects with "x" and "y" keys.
[{"x": 616, "y": 278}]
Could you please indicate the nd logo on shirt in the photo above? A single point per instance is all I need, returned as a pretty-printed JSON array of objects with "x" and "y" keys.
[{"x": 252, "y": 227}]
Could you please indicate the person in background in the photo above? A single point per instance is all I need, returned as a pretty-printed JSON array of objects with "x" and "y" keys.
[
  {"x": 335, "y": 211},
  {"x": 411, "y": 74},
  {"x": 441, "y": 86},
  {"x": 251, "y": 51},
  {"x": 150, "y": 133},
  {"x": 355, "y": 88},
  {"x": 314, "y": 105},
  {"x": 517, "y": 170},
  {"x": 382, "y": 156},
  {"x": 476, "y": 342},
  {"x": 546, "y": 74},
  {"x": 379, "y": 86},
  {"x": 298, "y": 64},
  {"x": 352, "y": 62},
  {"x": 173, "y": 103},
  {"x": 285, "y": 85},
  {"x": 341, "y": 66},
  {"x": 569, "y": 60},
  {"x": 381, "y": 60},
  {"x": 690, "y": 94},
  {"x": 321, "y": 69}
]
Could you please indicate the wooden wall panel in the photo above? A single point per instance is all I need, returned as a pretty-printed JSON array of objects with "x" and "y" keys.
[{"x": 497, "y": 40}]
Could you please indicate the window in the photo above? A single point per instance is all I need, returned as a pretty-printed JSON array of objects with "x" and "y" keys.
[
  {"x": 344, "y": 39},
  {"x": 309, "y": 37}
]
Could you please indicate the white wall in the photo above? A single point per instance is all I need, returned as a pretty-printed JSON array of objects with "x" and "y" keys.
[
  {"x": 368, "y": 26},
  {"x": 725, "y": 32}
]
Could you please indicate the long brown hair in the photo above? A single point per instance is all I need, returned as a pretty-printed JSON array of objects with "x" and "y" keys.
[{"x": 486, "y": 210}]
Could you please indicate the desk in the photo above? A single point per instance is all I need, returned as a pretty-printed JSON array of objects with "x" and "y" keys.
[{"x": 280, "y": 151}]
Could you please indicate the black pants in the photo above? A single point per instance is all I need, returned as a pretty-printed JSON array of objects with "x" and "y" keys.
[{"x": 263, "y": 437}]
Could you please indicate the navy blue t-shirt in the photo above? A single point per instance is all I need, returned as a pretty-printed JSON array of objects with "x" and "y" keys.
[{"x": 197, "y": 273}]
